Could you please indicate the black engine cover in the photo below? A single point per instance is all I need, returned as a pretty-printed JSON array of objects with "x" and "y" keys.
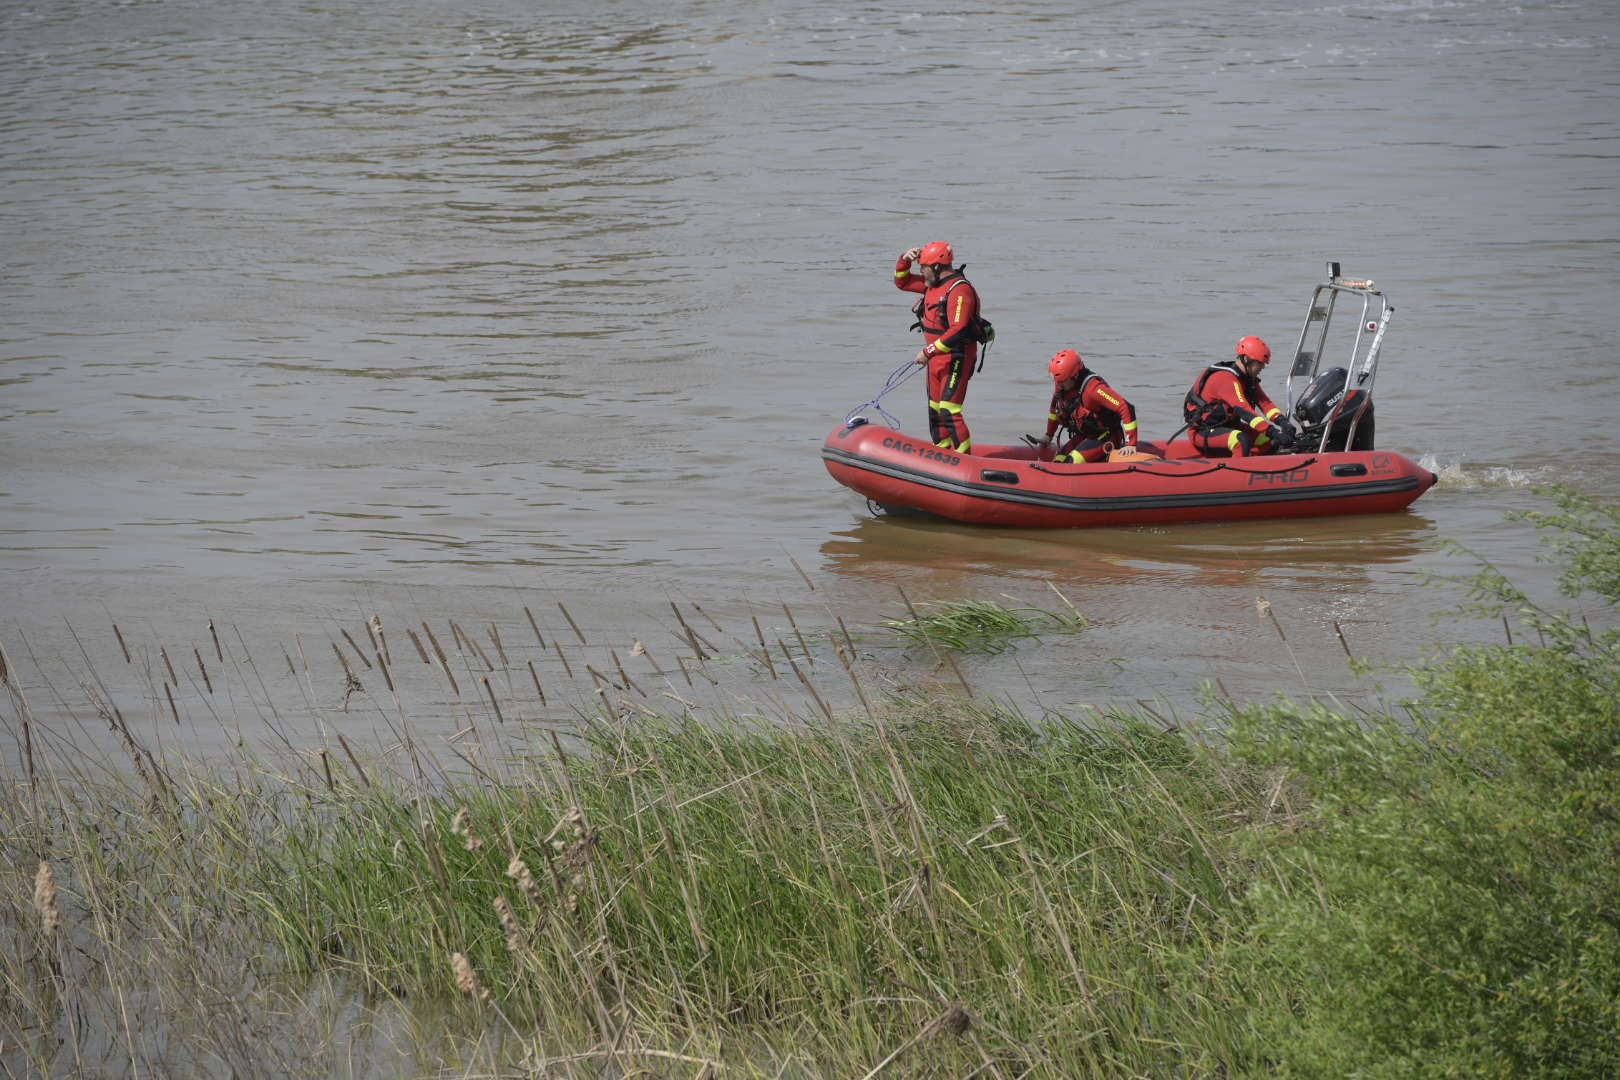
[{"x": 1318, "y": 401}]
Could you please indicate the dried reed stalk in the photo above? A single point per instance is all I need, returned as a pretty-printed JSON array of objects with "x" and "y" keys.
[
  {"x": 379, "y": 642},
  {"x": 691, "y": 635},
  {"x": 438, "y": 650},
  {"x": 701, "y": 670},
  {"x": 358, "y": 768},
  {"x": 219, "y": 653},
  {"x": 500, "y": 650},
  {"x": 624, "y": 676},
  {"x": 357, "y": 650},
  {"x": 490, "y": 690},
  {"x": 805, "y": 576},
  {"x": 764, "y": 649},
  {"x": 860, "y": 692},
  {"x": 444, "y": 664},
  {"x": 966, "y": 688},
  {"x": 479, "y": 649},
  {"x": 1343, "y": 644},
  {"x": 465, "y": 639},
  {"x": 838, "y": 649},
  {"x": 945, "y": 657},
  {"x": 204, "y": 669},
  {"x": 849, "y": 641},
  {"x": 572, "y": 623},
  {"x": 538, "y": 636},
  {"x": 343, "y": 661},
  {"x": 1264, "y": 607},
  {"x": 825, "y": 711},
  {"x": 697, "y": 607},
  {"x": 418, "y": 643},
  {"x": 121, "y": 644},
  {"x": 27, "y": 729},
  {"x": 804, "y": 647},
  {"x": 535, "y": 675}
]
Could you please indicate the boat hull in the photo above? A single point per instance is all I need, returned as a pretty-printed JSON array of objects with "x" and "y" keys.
[{"x": 1008, "y": 486}]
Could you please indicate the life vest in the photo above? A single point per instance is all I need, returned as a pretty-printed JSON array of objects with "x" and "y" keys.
[
  {"x": 979, "y": 329},
  {"x": 1090, "y": 424},
  {"x": 1200, "y": 412}
]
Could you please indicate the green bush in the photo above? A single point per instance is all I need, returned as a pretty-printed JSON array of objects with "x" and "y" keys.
[{"x": 1450, "y": 903}]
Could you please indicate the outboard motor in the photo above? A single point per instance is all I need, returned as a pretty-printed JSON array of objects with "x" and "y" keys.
[{"x": 1318, "y": 401}]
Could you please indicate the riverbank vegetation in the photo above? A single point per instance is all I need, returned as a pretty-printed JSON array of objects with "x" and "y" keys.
[{"x": 928, "y": 886}]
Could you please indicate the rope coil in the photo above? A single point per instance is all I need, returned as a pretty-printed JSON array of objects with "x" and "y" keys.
[{"x": 896, "y": 377}]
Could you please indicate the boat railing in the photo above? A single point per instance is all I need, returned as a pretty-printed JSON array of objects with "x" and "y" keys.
[{"x": 1359, "y": 351}]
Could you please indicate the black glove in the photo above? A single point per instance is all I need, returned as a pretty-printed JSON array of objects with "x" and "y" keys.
[{"x": 1283, "y": 434}]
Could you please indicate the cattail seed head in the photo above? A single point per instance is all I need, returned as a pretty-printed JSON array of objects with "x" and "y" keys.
[
  {"x": 50, "y": 914},
  {"x": 461, "y": 825},
  {"x": 509, "y": 926},
  {"x": 518, "y": 871},
  {"x": 466, "y": 979}
]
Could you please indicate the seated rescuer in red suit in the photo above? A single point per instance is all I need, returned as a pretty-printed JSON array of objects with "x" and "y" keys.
[
  {"x": 1228, "y": 413},
  {"x": 1091, "y": 412},
  {"x": 948, "y": 314}
]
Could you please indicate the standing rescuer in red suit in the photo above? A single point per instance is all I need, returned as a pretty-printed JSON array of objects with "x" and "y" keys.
[
  {"x": 1091, "y": 413},
  {"x": 1227, "y": 411},
  {"x": 948, "y": 314}
]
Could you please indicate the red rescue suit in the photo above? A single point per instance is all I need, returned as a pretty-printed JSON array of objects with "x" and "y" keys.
[
  {"x": 949, "y": 314},
  {"x": 1228, "y": 413},
  {"x": 1096, "y": 417}
]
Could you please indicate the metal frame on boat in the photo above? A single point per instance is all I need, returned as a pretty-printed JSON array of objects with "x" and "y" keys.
[{"x": 1361, "y": 367}]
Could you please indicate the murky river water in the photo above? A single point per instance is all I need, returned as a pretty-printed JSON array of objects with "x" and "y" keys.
[{"x": 316, "y": 312}]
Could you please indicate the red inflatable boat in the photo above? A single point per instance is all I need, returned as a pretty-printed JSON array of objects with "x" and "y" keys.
[
  {"x": 1341, "y": 473},
  {"x": 1006, "y": 485}
]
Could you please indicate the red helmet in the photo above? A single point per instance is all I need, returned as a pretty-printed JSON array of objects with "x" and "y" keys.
[
  {"x": 1066, "y": 364},
  {"x": 935, "y": 253},
  {"x": 1252, "y": 348}
]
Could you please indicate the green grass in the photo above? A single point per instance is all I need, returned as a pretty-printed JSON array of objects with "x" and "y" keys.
[
  {"x": 981, "y": 626},
  {"x": 942, "y": 888}
]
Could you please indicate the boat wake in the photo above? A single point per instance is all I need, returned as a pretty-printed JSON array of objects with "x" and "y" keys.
[{"x": 1454, "y": 474}]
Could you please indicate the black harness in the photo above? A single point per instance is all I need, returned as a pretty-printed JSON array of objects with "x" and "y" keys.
[
  {"x": 1093, "y": 426},
  {"x": 1200, "y": 412},
  {"x": 979, "y": 330}
]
